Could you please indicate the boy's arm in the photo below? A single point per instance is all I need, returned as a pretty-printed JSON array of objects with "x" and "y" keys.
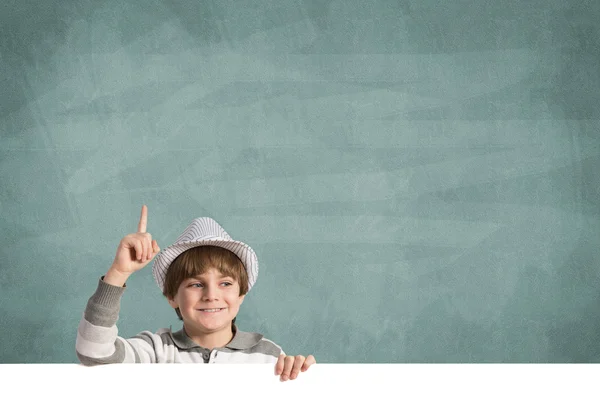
[{"x": 97, "y": 335}]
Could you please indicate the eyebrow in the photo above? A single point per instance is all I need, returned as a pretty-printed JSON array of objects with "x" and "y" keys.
[{"x": 200, "y": 276}]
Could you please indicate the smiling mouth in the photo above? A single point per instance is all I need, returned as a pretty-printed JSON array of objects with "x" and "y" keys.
[{"x": 211, "y": 310}]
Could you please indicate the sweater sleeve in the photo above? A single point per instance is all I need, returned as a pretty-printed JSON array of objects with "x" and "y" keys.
[{"x": 97, "y": 335}]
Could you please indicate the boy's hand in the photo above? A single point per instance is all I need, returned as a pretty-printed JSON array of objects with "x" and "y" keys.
[
  {"x": 135, "y": 251},
  {"x": 290, "y": 366}
]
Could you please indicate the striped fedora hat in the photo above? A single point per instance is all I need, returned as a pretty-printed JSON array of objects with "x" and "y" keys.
[{"x": 204, "y": 231}]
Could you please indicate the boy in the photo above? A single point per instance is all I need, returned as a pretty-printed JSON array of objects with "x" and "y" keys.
[{"x": 205, "y": 276}]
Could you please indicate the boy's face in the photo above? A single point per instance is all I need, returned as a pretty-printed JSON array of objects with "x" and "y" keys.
[{"x": 210, "y": 290}]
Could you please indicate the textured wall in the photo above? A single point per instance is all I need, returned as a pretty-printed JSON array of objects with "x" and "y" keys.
[{"x": 420, "y": 179}]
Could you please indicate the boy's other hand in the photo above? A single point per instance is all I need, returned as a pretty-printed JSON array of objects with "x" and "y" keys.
[
  {"x": 288, "y": 367},
  {"x": 135, "y": 251}
]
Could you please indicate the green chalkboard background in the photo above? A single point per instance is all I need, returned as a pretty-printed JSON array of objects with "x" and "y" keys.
[{"x": 420, "y": 179}]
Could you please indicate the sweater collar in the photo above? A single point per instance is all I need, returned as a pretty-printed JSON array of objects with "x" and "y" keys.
[{"x": 241, "y": 340}]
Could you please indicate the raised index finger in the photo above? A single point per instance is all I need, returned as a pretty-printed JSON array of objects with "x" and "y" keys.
[{"x": 143, "y": 220}]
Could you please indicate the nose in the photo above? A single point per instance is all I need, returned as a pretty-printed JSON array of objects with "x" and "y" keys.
[{"x": 210, "y": 293}]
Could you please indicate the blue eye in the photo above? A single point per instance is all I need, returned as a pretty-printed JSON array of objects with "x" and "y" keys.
[{"x": 194, "y": 285}]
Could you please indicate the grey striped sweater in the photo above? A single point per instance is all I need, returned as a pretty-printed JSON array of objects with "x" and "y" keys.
[{"x": 98, "y": 341}]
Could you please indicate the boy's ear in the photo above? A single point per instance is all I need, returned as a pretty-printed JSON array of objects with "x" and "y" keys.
[{"x": 172, "y": 303}]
